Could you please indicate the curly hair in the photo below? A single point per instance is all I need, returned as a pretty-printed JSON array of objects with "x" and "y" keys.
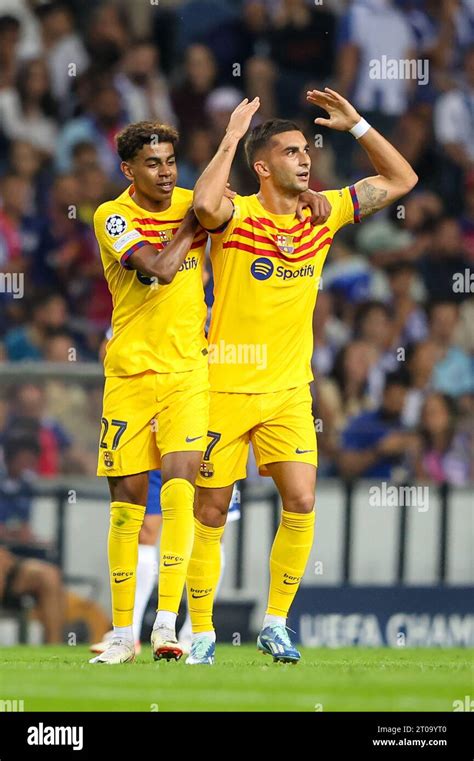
[{"x": 132, "y": 138}]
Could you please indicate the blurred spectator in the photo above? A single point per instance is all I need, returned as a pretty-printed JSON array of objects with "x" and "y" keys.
[
  {"x": 21, "y": 576},
  {"x": 95, "y": 188},
  {"x": 72, "y": 264},
  {"x": 102, "y": 120},
  {"x": 370, "y": 30},
  {"x": 452, "y": 373},
  {"x": 467, "y": 219},
  {"x": 406, "y": 238},
  {"x": 108, "y": 36},
  {"x": 444, "y": 261},
  {"x": 27, "y": 110},
  {"x": 219, "y": 106},
  {"x": 409, "y": 319},
  {"x": 48, "y": 312},
  {"x": 239, "y": 38},
  {"x": 21, "y": 452},
  {"x": 329, "y": 334},
  {"x": 346, "y": 391},
  {"x": 302, "y": 40},
  {"x": 342, "y": 395},
  {"x": 60, "y": 346},
  {"x": 29, "y": 41},
  {"x": 84, "y": 156},
  {"x": 64, "y": 49},
  {"x": 9, "y": 39},
  {"x": 197, "y": 80},
  {"x": 15, "y": 192},
  {"x": 198, "y": 153},
  {"x": 420, "y": 359},
  {"x": 453, "y": 127},
  {"x": 373, "y": 324},
  {"x": 374, "y": 443},
  {"x": 446, "y": 453},
  {"x": 464, "y": 334},
  {"x": 454, "y": 118},
  {"x": 143, "y": 88},
  {"x": 25, "y": 160},
  {"x": 58, "y": 454}
]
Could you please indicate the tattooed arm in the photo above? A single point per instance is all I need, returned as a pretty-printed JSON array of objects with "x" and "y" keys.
[{"x": 394, "y": 178}]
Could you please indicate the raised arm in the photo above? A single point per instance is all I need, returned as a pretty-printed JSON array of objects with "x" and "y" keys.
[
  {"x": 395, "y": 177},
  {"x": 164, "y": 264},
  {"x": 211, "y": 206}
]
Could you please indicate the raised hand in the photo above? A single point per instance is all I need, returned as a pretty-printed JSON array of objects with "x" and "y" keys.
[
  {"x": 241, "y": 117},
  {"x": 342, "y": 115}
]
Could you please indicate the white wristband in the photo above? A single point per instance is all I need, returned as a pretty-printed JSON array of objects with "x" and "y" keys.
[{"x": 360, "y": 128}]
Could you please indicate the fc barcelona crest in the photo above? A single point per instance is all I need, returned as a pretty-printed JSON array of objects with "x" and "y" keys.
[
  {"x": 207, "y": 469},
  {"x": 108, "y": 459},
  {"x": 165, "y": 236},
  {"x": 285, "y": 243}
]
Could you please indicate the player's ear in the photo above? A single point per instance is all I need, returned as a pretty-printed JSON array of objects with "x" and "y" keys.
[
  {"x": 261, "y": 168},
  {"x": 126, "y": 170}
]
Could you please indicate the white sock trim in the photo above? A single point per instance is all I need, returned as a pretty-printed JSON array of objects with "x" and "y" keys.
[
  {"x": 165, "y": 618},
  {"x": 124, "y": 632},
  {"x": 273, "y": 620},
  {"x": 211, "y": 635}
]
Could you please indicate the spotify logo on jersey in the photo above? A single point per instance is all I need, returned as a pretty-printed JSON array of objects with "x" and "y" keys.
[{"x": 262, "y": 268}]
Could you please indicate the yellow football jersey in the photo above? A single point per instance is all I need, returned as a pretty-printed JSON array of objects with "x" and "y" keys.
[
  {"x": 154, "y": 327},
  {"x": 267, "y": 270}
]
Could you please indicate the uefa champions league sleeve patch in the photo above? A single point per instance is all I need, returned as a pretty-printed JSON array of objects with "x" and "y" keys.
[{"x": 115, "y": 225}]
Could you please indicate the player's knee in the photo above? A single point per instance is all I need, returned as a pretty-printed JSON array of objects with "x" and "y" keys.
[
  {"x": 300, "y": 503},
  {"x": 211, "y": 514},
  {"x": 179, "y": 465},
  {"x": 130, "y": 489}
]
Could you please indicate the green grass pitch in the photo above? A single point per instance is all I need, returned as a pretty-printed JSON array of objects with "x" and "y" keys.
[{"x": 51, "y": 678}]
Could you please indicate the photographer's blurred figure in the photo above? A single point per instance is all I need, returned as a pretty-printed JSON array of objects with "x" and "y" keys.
[{"x": 20, "y": 574}]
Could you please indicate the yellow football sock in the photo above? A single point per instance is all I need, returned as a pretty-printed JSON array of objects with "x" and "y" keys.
[
  {"x": 203, "y": 575},
  {"x": 125, "y": 524},
  {"x": 177, "y": 500},
  {"x": 288, "y": 559}
]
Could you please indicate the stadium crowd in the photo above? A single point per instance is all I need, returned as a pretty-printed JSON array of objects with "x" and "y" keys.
[{"x": 393, "y": 338}]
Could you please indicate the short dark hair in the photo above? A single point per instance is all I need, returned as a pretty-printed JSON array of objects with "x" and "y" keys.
[
  {"x": 365, "y": 308},
  {"x": 24, "y": 438},
  {"x": 397, "y": 378},
  {"x": 395, "y": 268},
  {"x": 132, "y": 139},
  {"x": 49, "y": 8},
  {"x": 261, "y": 135},
  {"x": 8, "y": 23}
]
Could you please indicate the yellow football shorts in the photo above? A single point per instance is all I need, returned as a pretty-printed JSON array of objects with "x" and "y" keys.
[
  {"x": 148, "y": 415},
  {"x": 279, "y": 425}
]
